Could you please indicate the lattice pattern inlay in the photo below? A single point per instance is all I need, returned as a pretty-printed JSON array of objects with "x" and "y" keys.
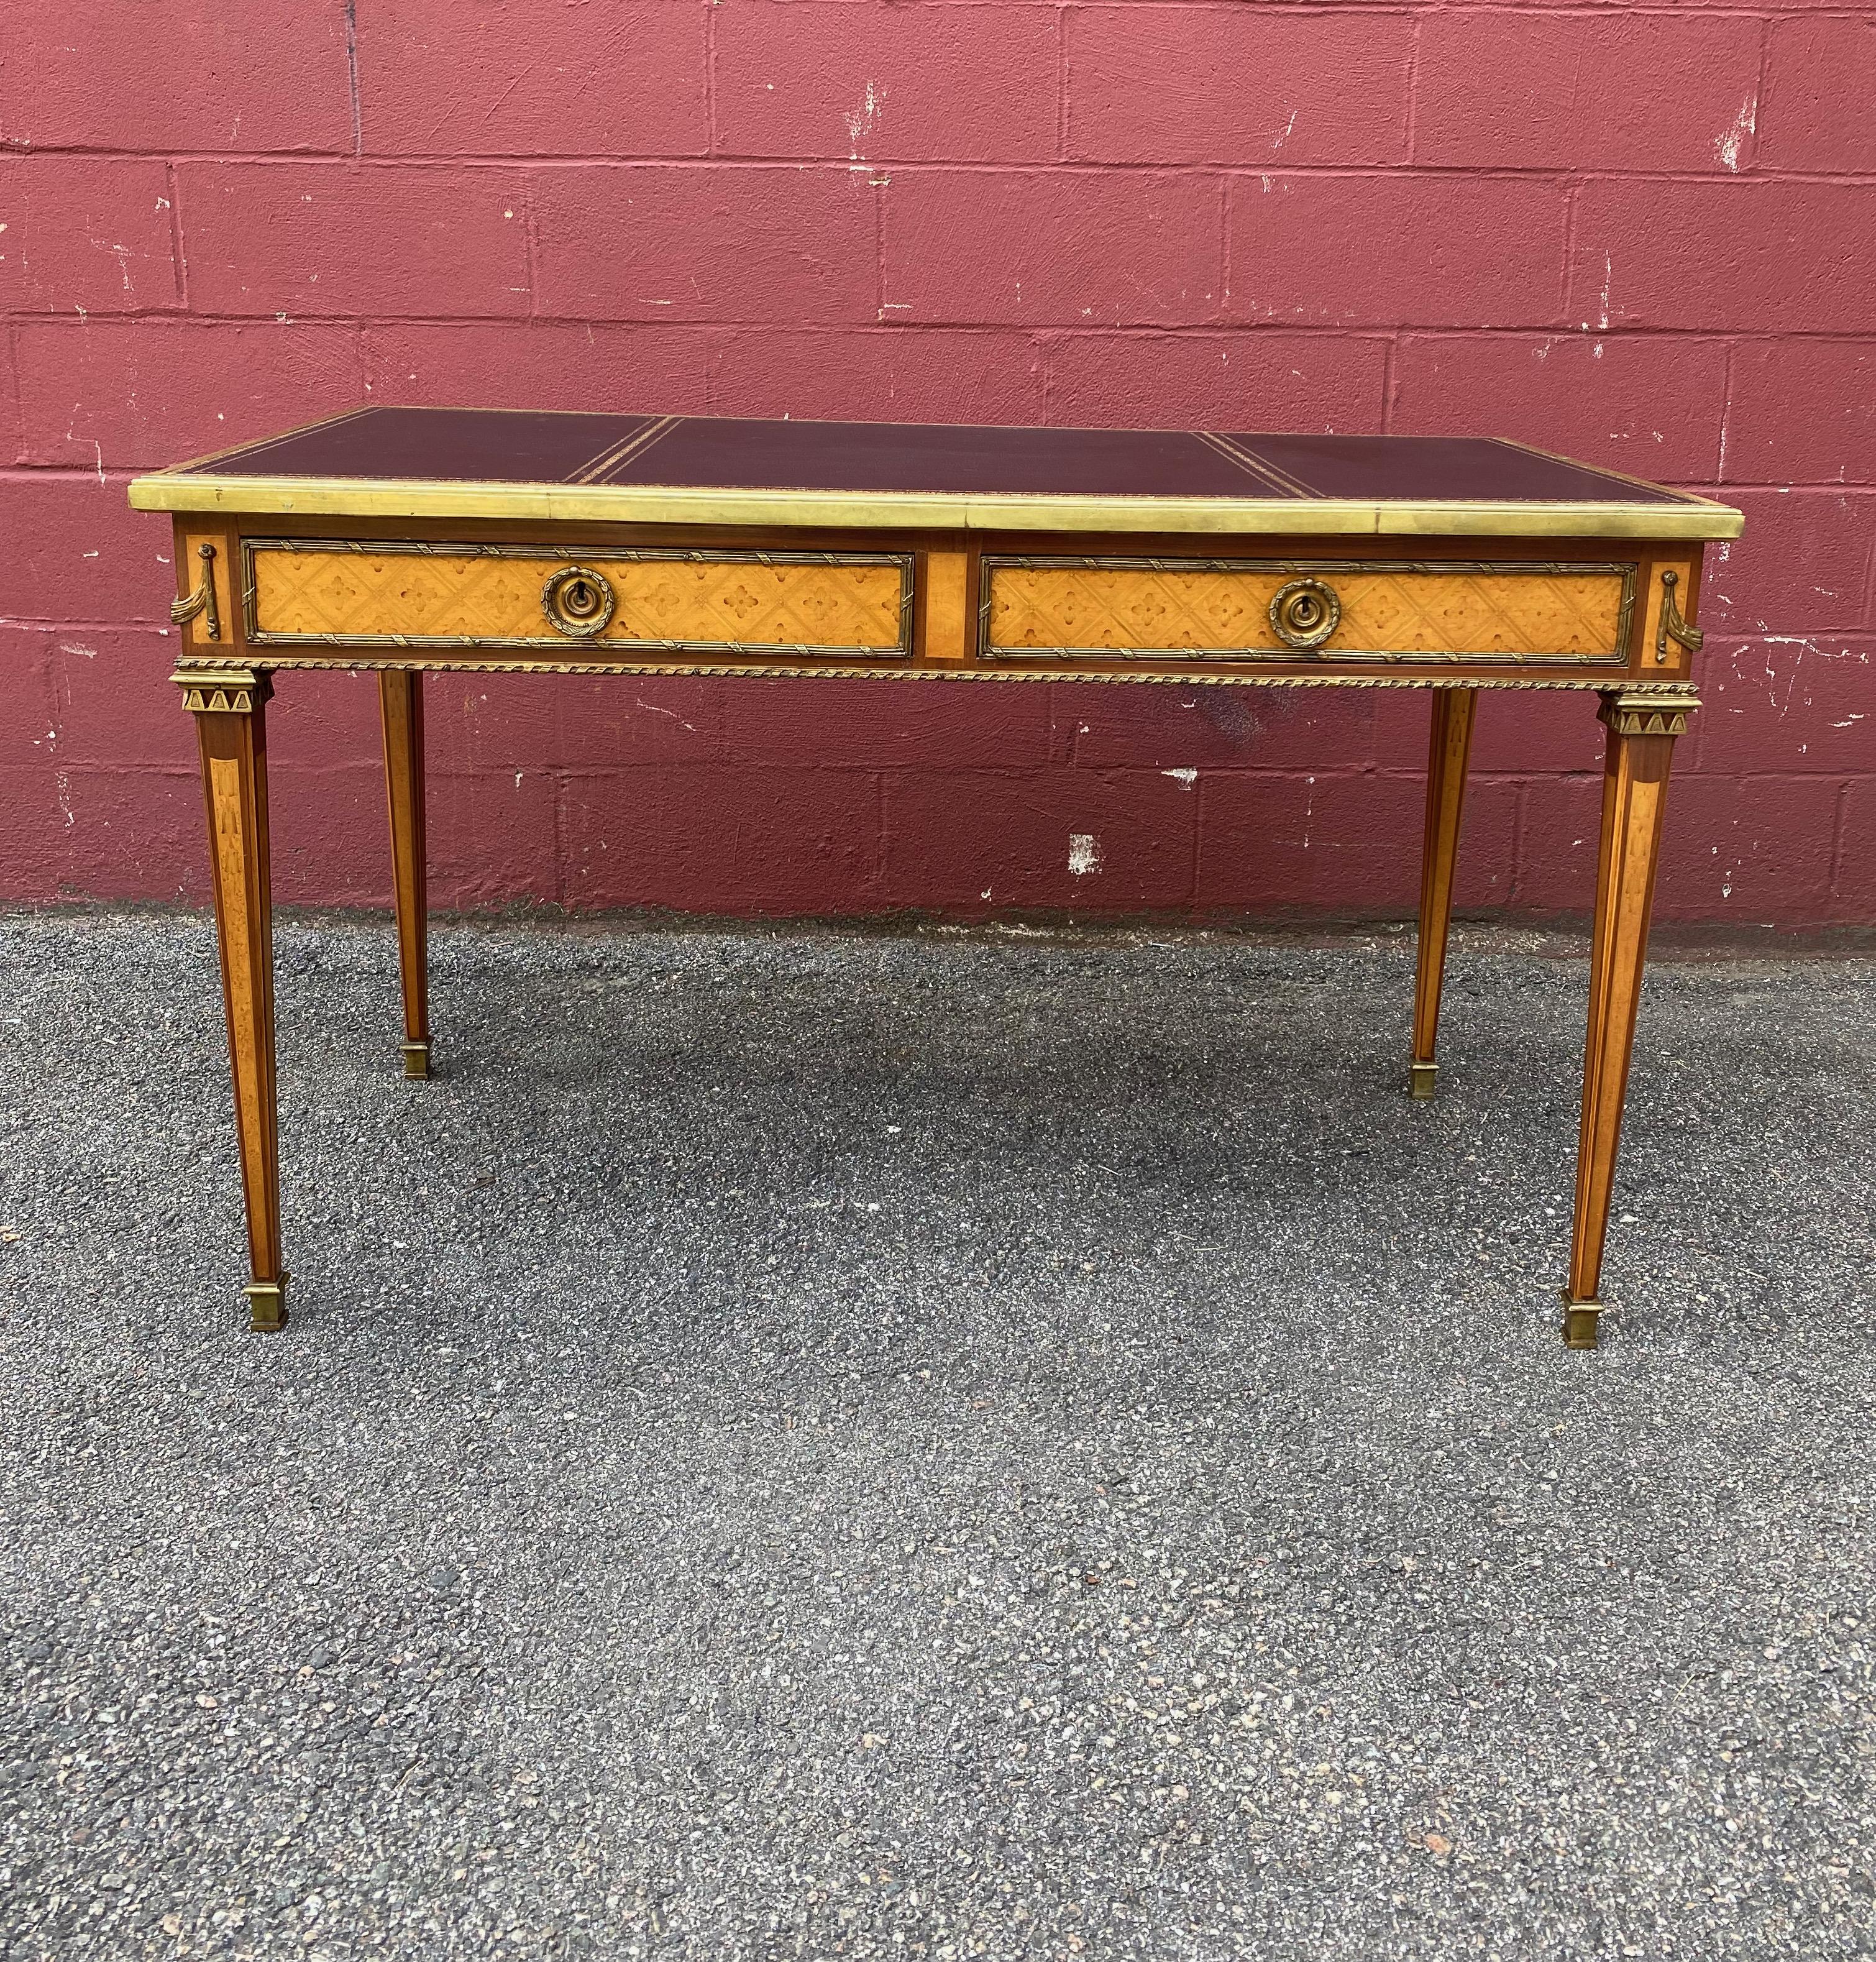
[
  {"x": 1560, "y": 613},
  {"x": 428, "y": 597}
]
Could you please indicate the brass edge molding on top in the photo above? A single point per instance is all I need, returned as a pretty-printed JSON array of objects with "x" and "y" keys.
[
  {"x": 219, "y": 689},
  {"x": 991, "y": 563},
  {"x": 546, "y": 503}
]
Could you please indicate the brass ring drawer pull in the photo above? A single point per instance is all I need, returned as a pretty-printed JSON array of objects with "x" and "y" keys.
[
  {"x": 1306, "y": 612},
  {"x": 578, "y": 601}
]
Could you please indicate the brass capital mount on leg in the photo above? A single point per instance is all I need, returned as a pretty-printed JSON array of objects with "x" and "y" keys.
[
  {"x": 1647, "y": 710},
  {"x": 223, "y": 690}
]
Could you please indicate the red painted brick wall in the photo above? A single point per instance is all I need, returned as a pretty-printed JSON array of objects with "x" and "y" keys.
[{"x": 1645, "y": 236}]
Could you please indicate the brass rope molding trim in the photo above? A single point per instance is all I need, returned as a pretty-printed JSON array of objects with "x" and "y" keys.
[
  {"x": 900, "y": 650},
  {"x": 1663, "y": 696},
  {"x": 1300, "y": 571}
]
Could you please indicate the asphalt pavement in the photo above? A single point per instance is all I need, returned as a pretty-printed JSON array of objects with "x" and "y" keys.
[{"x": 995, "y": 1443}]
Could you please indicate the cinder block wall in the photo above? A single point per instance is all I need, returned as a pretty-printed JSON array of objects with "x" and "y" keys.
[{"x": 1644, "y": 236}]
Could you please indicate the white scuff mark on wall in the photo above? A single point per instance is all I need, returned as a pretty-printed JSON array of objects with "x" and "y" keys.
[
  {"x": 652, "y": 708},
  {"x": 1289, "y": 129},
  {"x": 1084, "y": 854},
  {"x": 65, "y": 798},
  {"x": 1727, "y": 148},
  {"x": 1188, "y": 777},
  {"x": 1308, "y": 812},
  {"x": 1804, "y": 646},
  {"x": 860, "y": 124},
  {"x": 1608, "y": 280},
  {"x": 985, "y": 894}
]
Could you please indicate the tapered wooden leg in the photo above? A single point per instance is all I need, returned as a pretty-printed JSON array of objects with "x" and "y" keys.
[
  {"x": 230, "y": 724},
  {"x": 1642, "y": 725},
  {"x": 1452, "y": 740},
  {"x": 400, "y": 698}
]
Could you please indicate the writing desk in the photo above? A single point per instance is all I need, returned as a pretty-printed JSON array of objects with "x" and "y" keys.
[{"x": 405, "y": 540}]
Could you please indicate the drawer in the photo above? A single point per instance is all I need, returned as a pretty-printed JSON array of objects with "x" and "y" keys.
[
  {"x": 327, "y": 592},
  {"x": 1568, "y": 614}
]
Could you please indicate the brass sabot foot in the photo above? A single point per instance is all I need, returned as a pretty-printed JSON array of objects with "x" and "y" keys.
[
  {"x": 417, "y": 1060},
  {"x": 1424, "y": 1074},
  {"x": 266, "y": 1303},
  {"x": 1580, "y": 1323}
]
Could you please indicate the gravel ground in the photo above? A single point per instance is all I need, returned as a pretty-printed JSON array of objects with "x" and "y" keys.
[{"x": 1009, "y": 1445}]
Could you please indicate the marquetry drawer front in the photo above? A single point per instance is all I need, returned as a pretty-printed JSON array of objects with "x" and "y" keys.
[
  {"x": 304, "y": 591},
  {"x": 1572, "y": 615}
]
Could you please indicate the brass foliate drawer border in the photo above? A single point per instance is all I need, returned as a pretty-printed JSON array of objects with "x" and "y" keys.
[
  {"x": 1627, "y": 570},
  {"x": 900, "y": 650}
]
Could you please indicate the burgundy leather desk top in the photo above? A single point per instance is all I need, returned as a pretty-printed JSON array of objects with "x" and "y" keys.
[{"x": 532, "y": 446}]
